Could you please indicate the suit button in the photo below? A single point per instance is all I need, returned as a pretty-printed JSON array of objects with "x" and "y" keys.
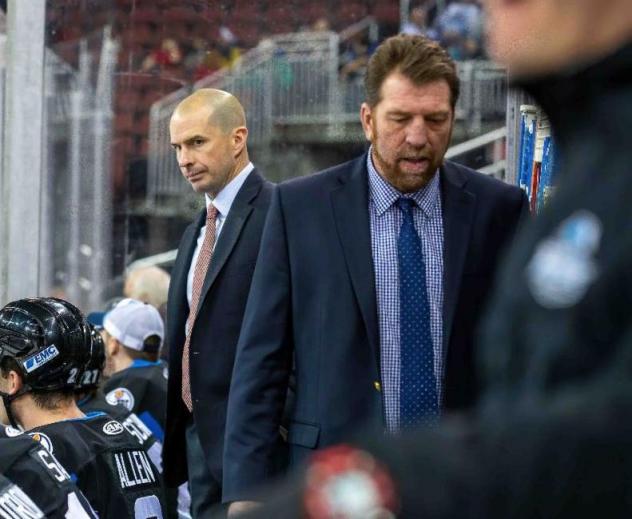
[{"x": 377, "y": 386}]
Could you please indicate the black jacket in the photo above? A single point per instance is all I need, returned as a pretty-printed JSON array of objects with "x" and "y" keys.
[
  {"x": 554, "y": 435},
  {"x": 216, "y": 330}
]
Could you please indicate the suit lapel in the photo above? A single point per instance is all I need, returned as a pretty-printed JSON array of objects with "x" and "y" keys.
[
  {"x": 458, "y": 206},
  {"x": 237, "y": 216},
  {"x": 351, "y": 214}
]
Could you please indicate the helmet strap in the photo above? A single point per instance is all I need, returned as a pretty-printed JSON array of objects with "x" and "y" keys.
[{"x": 8, "y": 399}]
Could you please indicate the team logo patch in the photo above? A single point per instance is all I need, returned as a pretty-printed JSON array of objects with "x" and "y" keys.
[
  {"x": 11, "y": 432},
  {"x": 113, "y": 428},
  {"x": 39, "y": 359},
  {"x": 43, "y": 440},
  {"x": 121, "y": 395},
  {"x": 564, "y": 265}
]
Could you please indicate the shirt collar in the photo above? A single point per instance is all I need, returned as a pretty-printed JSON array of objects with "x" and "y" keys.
[
  {"x": 225, "y": 198},
  {"x": 384, "y": 195},
  {"x": 141, "y": 363}
]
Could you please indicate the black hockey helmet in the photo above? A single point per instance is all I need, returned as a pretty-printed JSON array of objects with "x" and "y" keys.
[
  {"x": 47, "y": 337},
  {"x": 95, "y": 363}
]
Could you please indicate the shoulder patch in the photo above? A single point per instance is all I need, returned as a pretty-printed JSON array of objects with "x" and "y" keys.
[
  {"x": 43, "y": 439},
  {"x": 563, "y": 265},
  {"x": 113, "y": 428},
  {"x": 121, "y": 395},
  {"x": 11, "y": 432}
]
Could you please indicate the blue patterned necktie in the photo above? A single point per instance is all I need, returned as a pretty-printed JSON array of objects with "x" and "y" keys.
[{"x": 418, "y": 388}]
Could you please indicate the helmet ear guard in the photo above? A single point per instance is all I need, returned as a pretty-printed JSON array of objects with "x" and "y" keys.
[
  {"x": 8, "y": 398},
  {"x": 95, "y": 364}
]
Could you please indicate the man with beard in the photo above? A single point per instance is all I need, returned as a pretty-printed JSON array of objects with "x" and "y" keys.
[
  {"x": 551, "y": 436},
  {"x": 370, "y": 279}
]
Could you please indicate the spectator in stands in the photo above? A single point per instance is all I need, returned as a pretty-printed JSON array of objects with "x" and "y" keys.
[
  {"x": 417, "y": 23},
  {"x": 228, "y": 47},
  {"x": 208, "y": 57},
  {"x": 321, "y": 24},
  {"x": 195, "y": 57},
  {"x": 355, "y": 56},
  {"x": 169, "y": 56},
  {"x": 459, "y": 29}
]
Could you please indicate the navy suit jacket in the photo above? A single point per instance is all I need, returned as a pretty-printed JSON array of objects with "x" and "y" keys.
[
  {"x": 216, "y": 330},
  {"x": 312, "y": 307}
]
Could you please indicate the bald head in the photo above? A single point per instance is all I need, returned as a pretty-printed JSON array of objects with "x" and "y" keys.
[
  {"x": 209, "y": 135},
  {"x": 147, "y": 284},
  {"x": 224, "y": 111}
]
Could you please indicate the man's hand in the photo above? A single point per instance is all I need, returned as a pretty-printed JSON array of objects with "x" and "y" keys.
[{"x": 236, "y": 508}]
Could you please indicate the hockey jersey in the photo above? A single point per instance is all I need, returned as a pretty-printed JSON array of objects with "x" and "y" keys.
[
  {"x": 34, "y": 484},
  {"x": 108, "y": 464},
  {"x": 178, "y": 501},
  {"x": 142, "y": 389}
]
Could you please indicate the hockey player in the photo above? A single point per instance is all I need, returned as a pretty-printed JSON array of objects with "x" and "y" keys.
[
  {"x": 33, "y": 483},
  {"x": 133, "y": 335},
  {"x": 42, "y": 355},
  {"x": 90, "y": 399}
]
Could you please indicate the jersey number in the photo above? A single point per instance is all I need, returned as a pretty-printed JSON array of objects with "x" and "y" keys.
[
  {"x": 147, "y": 507},
  {"x": 90, "y": 376},
  {"x": 72, "y": 377}
]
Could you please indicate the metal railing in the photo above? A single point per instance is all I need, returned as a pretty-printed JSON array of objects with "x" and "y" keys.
[
  {"x": 496, "y": 139},
  {"x": 483, "y": 93}
]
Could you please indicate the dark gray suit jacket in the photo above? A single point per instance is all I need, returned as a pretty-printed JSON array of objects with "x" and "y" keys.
[
  {"x": 313, "y": 304},
  {"x": 216, "y": 330}
]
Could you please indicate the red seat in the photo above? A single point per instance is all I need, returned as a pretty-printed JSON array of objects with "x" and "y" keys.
[
  {"x": 180, "y": 14},
  {"x": 386, "y": 12},
  {"x": 123, "y": 123},
  {"x": 247, "y": 34},
  {"x": 146, "y": 14},
  {"x": 127, "y": 100},
  {"x": 350, "y": 13},
  {"x": 280, "y": 19}
]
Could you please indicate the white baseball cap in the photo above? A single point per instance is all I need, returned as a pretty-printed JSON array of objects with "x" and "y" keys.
[{"x": 131, "y": 322}]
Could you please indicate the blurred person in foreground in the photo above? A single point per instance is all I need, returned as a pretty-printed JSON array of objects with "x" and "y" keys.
[
  {"x": 370, "y": 280},
  {"x": 552, "y": 436},
  {"x": 210, "y": 282}
]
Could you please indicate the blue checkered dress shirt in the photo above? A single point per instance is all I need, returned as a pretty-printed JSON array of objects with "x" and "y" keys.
[{"x": 386, "y": 220}]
